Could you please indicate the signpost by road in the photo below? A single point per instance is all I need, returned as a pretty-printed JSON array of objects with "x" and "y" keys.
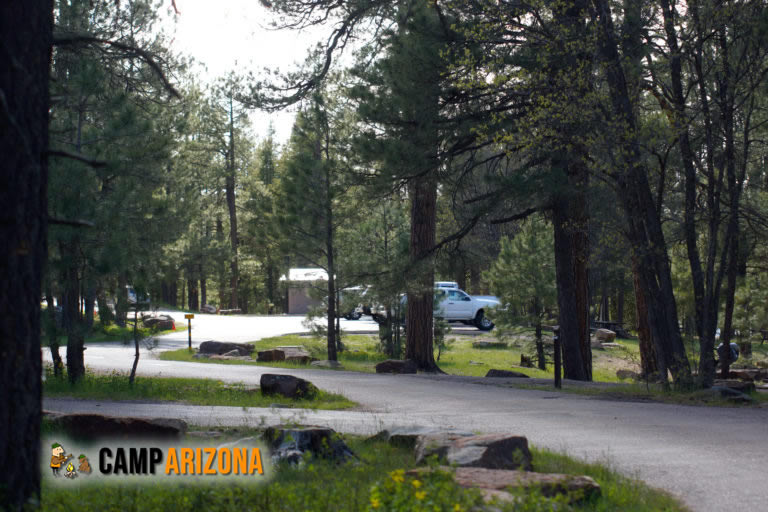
[{"x": 189, "y": 317}]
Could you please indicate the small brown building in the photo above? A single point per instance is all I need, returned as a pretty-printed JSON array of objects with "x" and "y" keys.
[{"x": 300, "y": 281}]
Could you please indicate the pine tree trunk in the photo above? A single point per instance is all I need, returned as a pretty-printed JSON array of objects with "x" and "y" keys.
[
  {"x": 121, "y": 303},
  {"x": 105, "y": 313},
  {"x": 271, "y": 299},
  {"x": 26, "y": 30},
  {"x": 647, "y": 353},
  {"x": 192, "y": 294},
  {"x": 53, "y": 334},
  {"x": 234, "y": 275},
  {"x": 419, "y": 329},
  {"x": 71, "y": 316},
  {"x": 572, "y": 294},
  {"x": 620, "y": 301}
]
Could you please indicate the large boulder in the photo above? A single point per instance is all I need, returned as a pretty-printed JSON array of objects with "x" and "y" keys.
[
  {"x": 271, "y": 356},
  {"x": 493, "y": 482},
  {"x": 299, "y": 358},
  {"x": 628, "y": 375},
  {"x": 208, "y": 309},
  {"x": 436, "y": 444},
  {"x": 221, "y": 348},
  {"x": 605, "y": 336},
  {"x": 492, "y": 451},
  {"x": 290, "y": 444},
  {"x": 397, "y": 366},
  {"x": 160, "y": 322},
  {"x": 98, "y": 426},
  {"x": 730, "y": 394},
  {"x": 738, "y": 385},
  {"x": 410, "y": 437},
  {"x": 296, "y": 354},
  {"x": 506, "y": 374},
  {"x": 287, "y": 386}
]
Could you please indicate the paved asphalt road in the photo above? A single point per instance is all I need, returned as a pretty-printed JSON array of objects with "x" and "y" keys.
[{"x": 712, "y": 458}]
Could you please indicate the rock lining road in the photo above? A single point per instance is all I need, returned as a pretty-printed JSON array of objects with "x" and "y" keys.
[{"x": 712, "y": 458}]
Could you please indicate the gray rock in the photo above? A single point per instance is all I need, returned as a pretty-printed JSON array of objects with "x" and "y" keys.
[
  {"x": 208, "y": 308},
  {"x": 436, "y": 444},
  {"x": 409, "y": 437},
  {"x": 605, "y": 336},
  {"x": 396, "y": 366},
  {"x": 731, "y": 394},
  {"x": 160, "y": 322},
  {"x": 287, "y": 386},
  {"x": 221, "y": 348},
  {"x": 491, "y": 451},
  {"x": 506, "y": 374},
  {"x": 738, "y": 385},
  {"x": 290, "y": 444},
  {"x": 628, "y": 375},
  {"x": 200, "y": 355}
]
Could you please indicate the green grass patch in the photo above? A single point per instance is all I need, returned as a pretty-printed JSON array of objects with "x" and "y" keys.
[
  {"x": 362, "y": 355},
  {"x": 375, "y": 482},
  {"x": 115, "y": 386},
  {"x": 618, "y": 491}
]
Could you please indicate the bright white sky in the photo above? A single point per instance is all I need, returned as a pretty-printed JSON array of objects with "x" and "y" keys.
[{"x": 225, "y": 35}]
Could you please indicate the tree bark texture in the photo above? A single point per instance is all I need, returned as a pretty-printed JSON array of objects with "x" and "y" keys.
[
  {"x": 192, "y": 293},
  {"x": 26, "y": 30},
  {"x": 419, "y": 330},
  {"x": 647, "y": 353},
  {"x": 329, "y": 253},
  {"x": 571, "y": 257},
  {"x": 72, "y": 318}
]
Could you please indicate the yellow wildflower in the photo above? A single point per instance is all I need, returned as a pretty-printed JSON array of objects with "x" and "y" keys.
[
  {"x": 457, "y": 508},
  {"x": 398, "y": 475},
  {"x": 416, "y": 483},
  {"x": 420, "y": 495},
  {"x": 375, "y": 503}
]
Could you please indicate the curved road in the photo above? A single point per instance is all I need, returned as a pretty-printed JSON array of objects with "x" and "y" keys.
[{"x": 712, "y": 458}]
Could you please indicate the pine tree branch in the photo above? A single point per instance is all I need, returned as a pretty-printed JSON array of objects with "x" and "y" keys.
[
  {"x": 77, "y": 156},
  {"x": 517, "y": 216},
  {"x": 77, "y": 39},
  {"x": 78, "y": 223}
]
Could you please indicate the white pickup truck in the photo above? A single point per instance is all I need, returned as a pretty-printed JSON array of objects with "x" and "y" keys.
[{"x": 454, "y": 304}]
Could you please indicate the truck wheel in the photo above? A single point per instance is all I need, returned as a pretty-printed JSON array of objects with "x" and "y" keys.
[{"x": 482, "y": 322}]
